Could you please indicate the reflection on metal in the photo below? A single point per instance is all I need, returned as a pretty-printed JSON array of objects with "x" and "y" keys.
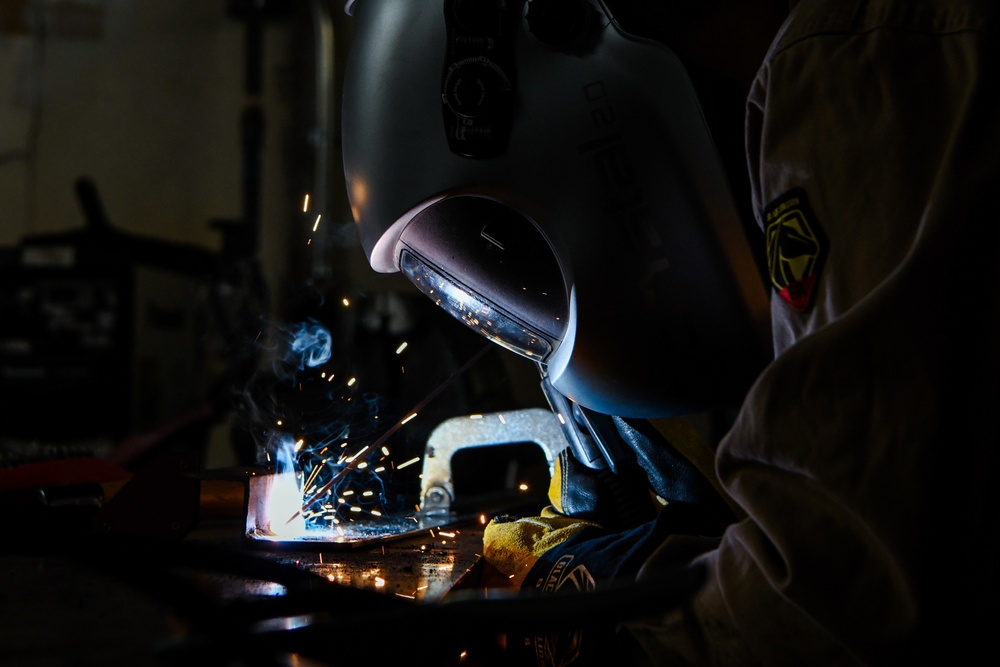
[
  {"x": 437, "y": 492},
  {"x": 359, "y": 533}
]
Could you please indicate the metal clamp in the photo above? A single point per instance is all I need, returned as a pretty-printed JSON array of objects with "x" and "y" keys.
[{"x": 536, "y": 425}]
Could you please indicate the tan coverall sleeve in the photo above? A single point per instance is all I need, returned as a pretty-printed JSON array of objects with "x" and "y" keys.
[{"x": 864, "y": 454}]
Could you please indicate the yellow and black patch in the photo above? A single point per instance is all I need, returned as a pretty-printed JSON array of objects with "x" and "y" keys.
[{"x": 796, "y": 248}]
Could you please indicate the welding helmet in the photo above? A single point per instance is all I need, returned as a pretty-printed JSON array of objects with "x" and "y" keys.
[{"x": 549, "y": 180}]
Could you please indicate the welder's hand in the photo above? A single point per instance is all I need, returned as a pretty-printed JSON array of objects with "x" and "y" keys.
[
  {"x": 599, "y": 529},
  {"x": 580, "y": 498},
  {"x": 680, "y": 468},
  {"x": 511, "y": 547},
  {"x": 615, "y": 501},
  {"x": 556, "y": 554}
]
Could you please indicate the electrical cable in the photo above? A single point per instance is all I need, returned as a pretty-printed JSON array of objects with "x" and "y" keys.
[
  {"x": 440, "y": 633},
  {"x": 253, "y": 628}
]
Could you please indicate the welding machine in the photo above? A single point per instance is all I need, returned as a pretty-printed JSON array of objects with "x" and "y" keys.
[{"x": 99, "y": 331}]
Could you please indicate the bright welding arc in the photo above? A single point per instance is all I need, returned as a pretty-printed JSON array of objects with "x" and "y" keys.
[{"x": 352, "y": 464}]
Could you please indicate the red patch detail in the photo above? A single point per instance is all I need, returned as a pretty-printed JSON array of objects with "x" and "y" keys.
[
  {"x": 796, "y": 248},
  {"x": 799, "y": 294}
]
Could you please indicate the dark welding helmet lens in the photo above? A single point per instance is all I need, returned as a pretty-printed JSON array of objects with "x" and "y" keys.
[{"x": 505, "y": 266}]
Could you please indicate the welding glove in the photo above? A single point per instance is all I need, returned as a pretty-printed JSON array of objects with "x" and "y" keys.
[
  {"x": 671, "y": 466},
  {"x": 555, "y": 554},
  {"x": 680, "y": 467},
  {"x": 658, "y": 462},
  {"x": 600, "y": 528},
  {"x": 598, "y": 509}
]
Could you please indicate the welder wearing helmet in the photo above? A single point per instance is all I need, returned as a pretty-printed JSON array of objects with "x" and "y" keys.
[{"x": 561, "y": 175}]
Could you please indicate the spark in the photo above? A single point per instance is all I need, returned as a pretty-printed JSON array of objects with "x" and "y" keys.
[
  {"x": 523, "y": 487},
  {"x": 447, "y": 534},
  {"x": 355, "y": 509},
  {"x": 305, "y": 203},
  {"x": 408, "y": 463},
  {"x": 298, "y": 445},
  {"x": 350, "y": 383},
  {"x": 408, "y": 417},
  {"x": 316, "y": 224},
  {"x": 379, "y": 582},
  {"x": 402, "y": 595},
  {"x": 385, "y": 450},
  {"x": 389, "y": 432},
  {"x": 360, "y": 452},
  {"x": 482, "y": 519},
  {"x": 502, "y": 419},
  {"x": 475, "y": 416},
  {"x": 401, "y": 347},
  {"x": 561, "y": 420},
  {"x": 312, "y": 476},
  {"x": 346, "y": 302}
]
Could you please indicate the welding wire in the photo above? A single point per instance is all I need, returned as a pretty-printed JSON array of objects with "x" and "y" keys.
[
  {"x": 385, "y": 436},
  {"x": 312, "y": 477}
]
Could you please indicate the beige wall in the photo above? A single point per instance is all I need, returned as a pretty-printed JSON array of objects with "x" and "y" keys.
[{"x": 143, "y": 96}]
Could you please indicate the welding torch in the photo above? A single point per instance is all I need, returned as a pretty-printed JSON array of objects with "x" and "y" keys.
[
  {"x": 606, "y": 482},
  {"x": 592, "y": 437}
]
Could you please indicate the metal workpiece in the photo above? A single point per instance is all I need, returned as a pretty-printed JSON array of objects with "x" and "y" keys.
[{"x": 531, "y": 425}]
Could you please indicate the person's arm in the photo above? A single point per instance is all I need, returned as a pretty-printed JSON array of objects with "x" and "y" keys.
[{"x": 863, "y": 453}]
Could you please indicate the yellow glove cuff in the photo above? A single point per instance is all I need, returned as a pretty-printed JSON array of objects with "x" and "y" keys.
[
  {"x": 556, "y": 486},
  {"x": 513, "y": 547}
]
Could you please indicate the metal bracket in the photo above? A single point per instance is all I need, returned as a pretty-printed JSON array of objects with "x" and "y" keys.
[{"x": 536, "y": 425}]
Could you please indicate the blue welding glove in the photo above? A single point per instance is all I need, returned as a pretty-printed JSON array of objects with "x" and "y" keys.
[
  {"x": 664, "y": 468},
  {"x": 680, "y": 468},
  {"x": 613, "y": 500},
  {"x": 656, "y": 462},
  {"x": 555, "y": 554}
]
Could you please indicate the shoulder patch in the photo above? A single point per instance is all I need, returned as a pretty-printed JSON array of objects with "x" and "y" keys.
[{"x": 796, "y": 248}]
